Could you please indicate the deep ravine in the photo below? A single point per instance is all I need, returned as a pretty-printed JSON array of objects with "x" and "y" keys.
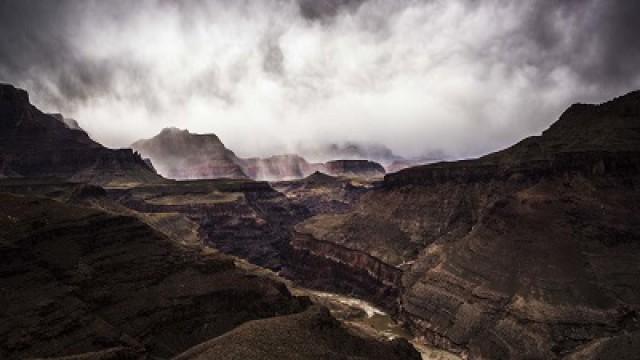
[{"x": 357, "y": 314}]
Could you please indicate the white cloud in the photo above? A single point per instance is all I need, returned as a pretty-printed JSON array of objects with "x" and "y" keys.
[{"x": 458, "y": 76}]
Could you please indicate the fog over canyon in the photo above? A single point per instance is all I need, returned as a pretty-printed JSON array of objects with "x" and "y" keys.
[{"x": 459, "y": 78}]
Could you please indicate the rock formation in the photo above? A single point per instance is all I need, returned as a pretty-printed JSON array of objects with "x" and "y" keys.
[
  {"x": 279, "y": 167},
  {"x": 321, "y": 193},
  {"x": 70, "y": 123},
  {"x": 354, "y": 168},
  {"x": 530, "y": 252},
  {"x": 179, "y": 154},
  {"x": 33, "y": 143}
]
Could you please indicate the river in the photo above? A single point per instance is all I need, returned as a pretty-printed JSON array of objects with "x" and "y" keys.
[{"x": 357, "y": 314}]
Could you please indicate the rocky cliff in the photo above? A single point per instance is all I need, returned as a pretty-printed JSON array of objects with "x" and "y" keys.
[
  {"x": 354, "y": 168},
  {"x": 33, "y": 143},
  {"x": 179, "y": 154},
  {"x": 530, "y": 252}
]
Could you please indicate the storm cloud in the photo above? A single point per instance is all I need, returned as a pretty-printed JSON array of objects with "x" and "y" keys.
[{"x": 459, "y": 76}]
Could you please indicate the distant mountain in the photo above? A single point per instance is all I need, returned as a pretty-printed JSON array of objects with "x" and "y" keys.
[
  {"x": 179, "y": 154},
  {"x": 279, "y": 167},
  {"x": 33, "y": 143},
  {"x": 349, "y": 151}
]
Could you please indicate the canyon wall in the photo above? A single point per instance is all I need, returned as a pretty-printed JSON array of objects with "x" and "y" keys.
[{"x": 529, "y": 252}]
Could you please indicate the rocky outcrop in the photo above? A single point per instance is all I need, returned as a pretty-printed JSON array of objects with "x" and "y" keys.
[
  {"x": 68, "y": 122},
  {"x": 354, "y": 168},
  {"x": 279, "y": 167},
  {"x": 320, "y": 193},
  {"x": 529, "y": 252},
  {"x": 36, "y": 144},
  {"x": 179, "y": 154}
]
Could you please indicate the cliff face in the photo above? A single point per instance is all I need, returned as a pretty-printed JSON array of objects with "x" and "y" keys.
[
  {"x": 179, "y": 154},
  {"x": 530, "y": 252},
  {"x": 355, "y": 168},
  {"x": 36, "y": 144}
]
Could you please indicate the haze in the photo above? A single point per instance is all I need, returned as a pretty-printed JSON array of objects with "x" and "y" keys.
[{"x": 458, "y": 77}]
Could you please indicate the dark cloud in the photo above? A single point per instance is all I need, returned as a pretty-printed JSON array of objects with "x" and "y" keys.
[
  {"x": 407, "y": 73},
  {"x": 597, "y": 39},
  {"x": 322, "y": 9}
]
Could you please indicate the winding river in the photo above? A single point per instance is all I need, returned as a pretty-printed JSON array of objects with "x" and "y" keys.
[
  {"x": 358, "y": 314},
  {"x": 371, "y": 320}
]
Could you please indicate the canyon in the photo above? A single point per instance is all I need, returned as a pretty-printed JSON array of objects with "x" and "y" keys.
[
  {"x": 105, "y": 259},
  {"x": 530, "y": 252},
  {"x": 527, "y": 253}
]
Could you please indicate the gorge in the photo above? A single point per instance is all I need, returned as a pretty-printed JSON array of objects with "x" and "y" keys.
[{"x": 529, "y": 252}]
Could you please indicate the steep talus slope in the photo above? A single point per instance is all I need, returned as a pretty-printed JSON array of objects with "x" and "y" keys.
[
  {"x": 312, "y": 334},
  {"x": 36, "y": 144},
  {"x": 179, "y": 154},
  {"x": 76, "y": 280},
  {"x": 530, "y": 252}
]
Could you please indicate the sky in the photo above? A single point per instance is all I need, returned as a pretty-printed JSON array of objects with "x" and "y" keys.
[{"x": 455, "y": 77}]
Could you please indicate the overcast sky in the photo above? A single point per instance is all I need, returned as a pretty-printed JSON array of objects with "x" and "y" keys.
[{"x": 460, "y": 76}]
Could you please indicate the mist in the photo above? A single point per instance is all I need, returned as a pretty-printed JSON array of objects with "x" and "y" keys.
[{"x": 457, "y": 77}]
